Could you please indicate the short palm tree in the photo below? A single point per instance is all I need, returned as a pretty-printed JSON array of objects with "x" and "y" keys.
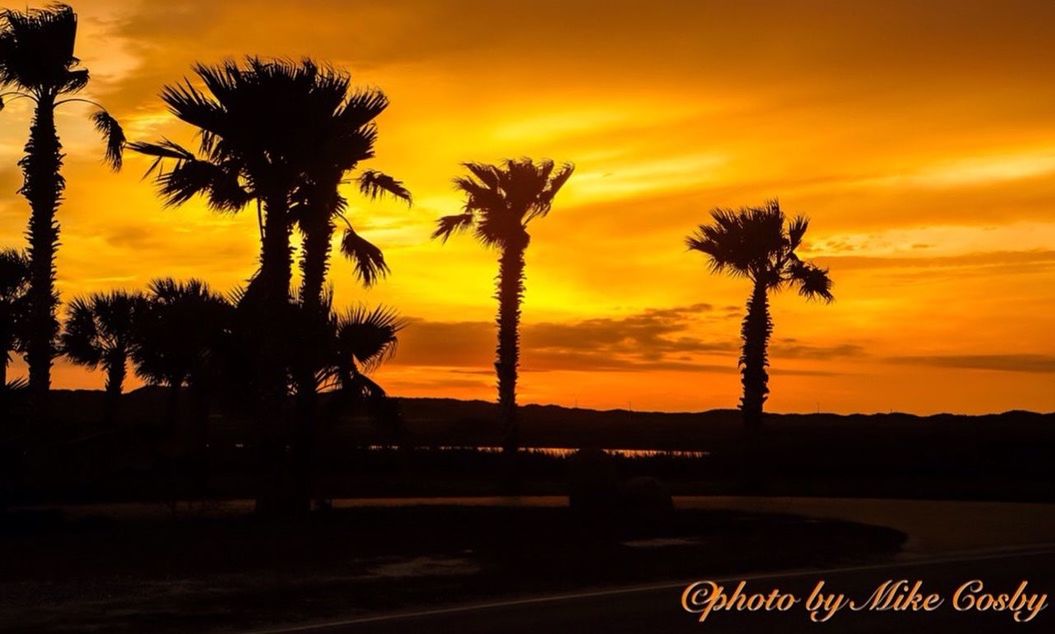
[
  {"x": 363, "y": 340},
  {"x": 759, "y": 243},
  {"x": 500, "y": 202},
  {"x": 37, "y": 63},
  {"x": 14, "y": 285},
  {"x": 99, "y": 331},
  {"x": 178, "y": 334}
]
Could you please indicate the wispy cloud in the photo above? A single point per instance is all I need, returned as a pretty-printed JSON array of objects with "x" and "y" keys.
[{"x": 1031, "y": 363}]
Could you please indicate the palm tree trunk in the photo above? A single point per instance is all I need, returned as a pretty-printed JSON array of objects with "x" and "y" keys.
[
  {"x": 276, "y": 257},
  {"x": 42, "y": 187},
  {"x": 315, "y": 262},
  {"x": 510, "y": 294},
  {"x": 755, "y": 331},
  {"x": 270, "y": 325},
  {"x": 115, "y": 379}
]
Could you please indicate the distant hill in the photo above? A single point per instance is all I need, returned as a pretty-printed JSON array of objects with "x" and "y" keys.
[{"x": 1004, "y": 456}]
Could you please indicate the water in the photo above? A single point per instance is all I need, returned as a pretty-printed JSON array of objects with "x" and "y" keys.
[{"x": 563, "y": 452}]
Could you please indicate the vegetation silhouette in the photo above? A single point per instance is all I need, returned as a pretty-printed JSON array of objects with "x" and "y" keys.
[
  {"x": 179, "y": 337},
  {"x": 100, "y": 330},
  {"x": 500, "y": 202},
  {"x": 759, "y": 243},
  {"x": 14, "y": 288},
  {"x": 342, "y": 138},
  {"x": 37, "y": 62},
  {"x": 259, "y": 131}
]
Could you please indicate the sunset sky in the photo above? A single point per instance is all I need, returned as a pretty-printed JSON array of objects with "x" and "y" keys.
[{"x": 918, "y": 136}]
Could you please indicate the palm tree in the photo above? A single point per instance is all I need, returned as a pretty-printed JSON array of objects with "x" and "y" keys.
[
  {"x": 261, "y": 126},
  {"x": 363, "y": 340},
  {"x": 257, "y": 137},
  {"x": 500, "y": 202},
  {"x": 759, "y": 243},
  {"x": 14, "y": 285},
  {"x": 345, "y": 349},
  {"x": 344, "y": 137},
  {"x": 177, "y": 336},
  {"x": 37, "y": 63},
  {"x": 99, "y": 331}
]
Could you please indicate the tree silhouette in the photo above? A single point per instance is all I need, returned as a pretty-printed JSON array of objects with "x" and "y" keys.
[
  {"x": 14, "y": 286},
  {"x": 178, "y": 334},
  {"x": 500, "y": 202},
  {"x": 345, "y": 137},
  {"x": 759, "y": 243},
  {"x": 363, "y": 340},
  {"x": 258, "y": 133},
  {"x": 38, "y": 64},
  {"x": 99, "y": 331}
]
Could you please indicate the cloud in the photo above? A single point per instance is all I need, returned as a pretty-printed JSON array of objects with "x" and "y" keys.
[
  {"x": 658, "y": 339},
  {"x": 1023, "y": 260},
  {"x": 1030, "y": 363},
  {"x": 792, "y": 349}
]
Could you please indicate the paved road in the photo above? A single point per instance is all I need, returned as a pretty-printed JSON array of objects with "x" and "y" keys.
[{"x": 657, "y": 608}]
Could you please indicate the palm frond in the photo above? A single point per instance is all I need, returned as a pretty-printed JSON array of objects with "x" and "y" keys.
[
  {"x": 448, "y": 225},
  {"x": 114, "y": 136},
  {"x": 813, "y": 282},
  {"x": 796, "y": 231},
  {"x": 37, "y": 49},
  {"x": 368, "y": 260},
  {"x": 362, "y": 107},
  {"x": 369, "y": 335},
  {"x": 80, "y": 337},
  {"x": 373, "y": 184}
]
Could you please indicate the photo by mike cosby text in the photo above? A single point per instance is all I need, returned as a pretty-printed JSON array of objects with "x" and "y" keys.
[{"x": 822, "y": 604}]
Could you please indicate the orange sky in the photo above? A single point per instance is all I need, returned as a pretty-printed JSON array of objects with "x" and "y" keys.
[{"x": 919, "y": 137}]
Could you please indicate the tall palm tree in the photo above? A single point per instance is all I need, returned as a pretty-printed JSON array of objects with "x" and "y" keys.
[
  {"x": 252, "y": 148},
  {"x": 99, "y": 331},
  {"x": 258, "y": 134},
  {"x": 500, "y": 202},
  {"x": 759, "y": 243},
  {"x": 37, "y": 63},
  {"x": 14, "y": 285},
  {"x": 345, "y": 138}
]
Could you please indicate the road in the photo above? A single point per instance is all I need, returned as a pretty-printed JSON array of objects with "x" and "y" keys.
[{"x": 657, "y": 608}]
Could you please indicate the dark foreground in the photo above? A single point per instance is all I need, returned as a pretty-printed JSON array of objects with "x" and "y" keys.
[
  {"x": 222, "y": 570},
  {"x": 658, "y": 608}
]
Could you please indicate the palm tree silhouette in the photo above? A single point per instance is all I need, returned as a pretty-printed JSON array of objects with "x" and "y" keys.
[
  {"x": 500, "y": 202},
  {"x": 99, "y": 331},
  {"x": 759, "y": 243},
  {"x": 363, "y": 340},
  {"x": 177, "y": 337},
  {"x": 274, "y": 132},
  {"x": 258, "y": 134},
  {"x": 37, "y": 63},
  {"x": 14, "y": 285},
  {"x": 345, "y": 138}
]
